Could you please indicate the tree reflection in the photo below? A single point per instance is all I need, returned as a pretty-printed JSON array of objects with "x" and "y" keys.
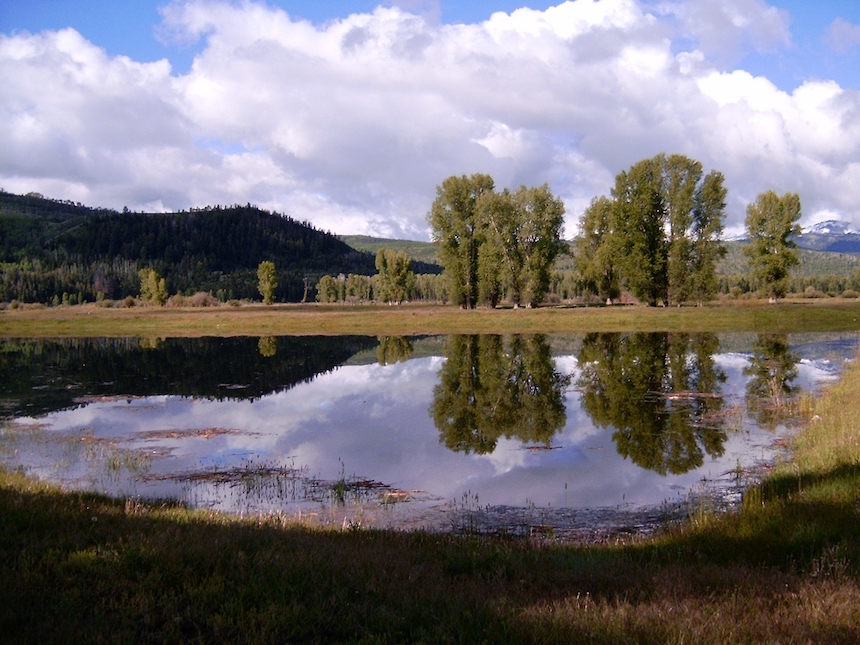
[
  {"x": 495, "y": 386},
  {"x": 661, "y": 394},
  {"x": 769, "y": 393},
  {"x": 393, "y": 349},
  {"x": 267, "y": 346}
]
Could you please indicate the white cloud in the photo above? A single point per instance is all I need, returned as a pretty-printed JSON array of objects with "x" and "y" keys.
[
  {"x": 353, "y": 123},
  {"x": 843, "y": 36}
]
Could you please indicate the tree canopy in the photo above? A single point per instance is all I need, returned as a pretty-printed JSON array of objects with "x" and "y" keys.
[
  {"x": 496, "y": 243},
  {"x": 658, "y": 236},
  {"x": 771, "y": 222}
]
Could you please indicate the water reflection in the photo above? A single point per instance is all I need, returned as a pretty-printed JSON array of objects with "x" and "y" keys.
[
  {"x": 495, "y": 386},
  {"x": 772, "y": 370},
  {"x": 393, "y": 349},
  {"x": 659, "y": 392},
  {"x": 39, "y": 376},
  {"x": 287, "y": 423}
]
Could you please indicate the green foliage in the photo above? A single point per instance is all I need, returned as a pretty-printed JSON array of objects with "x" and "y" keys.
[
  {"x": 524, "y": 229},
  {"x": 771, "y": 223},
  {"x": 153, "y": 287},
  {"x": 494, "y": 243},
  {"x": 267, "y": 281},
  {"x": 454, "y": 219},
  {"x": 658, "y": 236},
  {"x": 593, "y": 255},
  {"x": 395, "y": 278}
]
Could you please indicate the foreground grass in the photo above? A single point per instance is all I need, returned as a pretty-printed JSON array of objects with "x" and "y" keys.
[
  {"x": 784, "y": 569},
  {"x": 257, "y": 320}
]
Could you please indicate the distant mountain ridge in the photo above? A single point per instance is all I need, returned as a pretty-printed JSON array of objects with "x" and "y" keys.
[{"x": 834, "y": 236}]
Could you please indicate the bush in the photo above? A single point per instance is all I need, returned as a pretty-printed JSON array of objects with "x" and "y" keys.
[
  {"x": 105, "y": 303},
  {"x": 850, "y": 293},
  {"x": 129, "y": 302},
  {"x": 234, "y": 303},
  {"x": 812, "y": 292},
  {"x": 203, "y": 299}
]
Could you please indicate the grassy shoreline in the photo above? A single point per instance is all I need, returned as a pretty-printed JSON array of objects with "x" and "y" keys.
[
  {"x": 416, "y": 319},
  {"x": 785, "y": 568}
]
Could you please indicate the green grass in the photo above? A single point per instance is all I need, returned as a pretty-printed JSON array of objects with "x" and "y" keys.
[
  {"x": 257, "y": 320},
  {"x": 783, "y": 569}
]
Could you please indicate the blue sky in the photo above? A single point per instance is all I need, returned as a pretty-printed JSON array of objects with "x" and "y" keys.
[{"x": 352, "y": 122}]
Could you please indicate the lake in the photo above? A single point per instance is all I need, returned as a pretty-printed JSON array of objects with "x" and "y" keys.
[{"x": 562, "y": 434}]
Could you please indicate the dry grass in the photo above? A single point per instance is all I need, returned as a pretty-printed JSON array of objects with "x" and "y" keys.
[{"x": 404, "y": 320}]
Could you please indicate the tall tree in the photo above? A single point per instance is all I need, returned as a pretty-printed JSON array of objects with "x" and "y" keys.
[
  {"x": 396, "y": 278},
  {"x": 707, "y": 247},
  {"x": 525, "y": 228},
  {"x": 593, "y": 255},
  {"x": 153, "y": 287},
  {"x": 771, "y": 222},
  {"x": 267, "y": 281},
  {"x": 456, "y": 228},
  {"x": 640, "y": 240},
  {"x": 658, "y": 236}
]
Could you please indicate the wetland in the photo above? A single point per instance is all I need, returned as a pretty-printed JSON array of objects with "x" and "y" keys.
[{"x": 581, "y": 436}]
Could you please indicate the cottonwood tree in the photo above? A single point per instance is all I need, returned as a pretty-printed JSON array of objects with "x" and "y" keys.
[
  {"x": 395, "y": 278},
  {"x": 454, "y": 221},
  {"x": 267, "y": 281},
  {"x": 494, "y": 243},
  {"x": 593, "y": 254},
  {"x": 658, "y": 236},
  {"x": 771, "y": 222},
  {"x": 153, "y": 288},
  {"x": 524, "y": 227}
]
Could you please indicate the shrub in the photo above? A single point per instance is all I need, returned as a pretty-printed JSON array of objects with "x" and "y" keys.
[
  {"x": 850, "y": 293},
  {"x": 203, "y": 299},
  {"x": 129, "y": 302}
]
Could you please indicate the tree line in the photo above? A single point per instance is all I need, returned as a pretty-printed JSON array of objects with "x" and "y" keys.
[{"x": 656, "y": 237}]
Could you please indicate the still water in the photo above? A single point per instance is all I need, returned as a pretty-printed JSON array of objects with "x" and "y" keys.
[{"x": 565, "y": 431}]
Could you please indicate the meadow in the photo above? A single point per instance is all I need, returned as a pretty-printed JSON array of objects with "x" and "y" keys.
[{"x": 415, "y": 319}]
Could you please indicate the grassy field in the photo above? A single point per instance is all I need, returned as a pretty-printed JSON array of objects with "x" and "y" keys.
[
  {"x": 785, "y": 568},
  {"x": 258, "y": 320}
]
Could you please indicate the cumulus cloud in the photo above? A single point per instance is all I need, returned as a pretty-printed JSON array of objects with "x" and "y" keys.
[
  {"x": 843, "y": 36},
  {"x": 351, "y": 124}
]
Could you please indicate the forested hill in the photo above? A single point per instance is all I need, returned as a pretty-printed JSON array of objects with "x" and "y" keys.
[{"x": 51, "y": 247}]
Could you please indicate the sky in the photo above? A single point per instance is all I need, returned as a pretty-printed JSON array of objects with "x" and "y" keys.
[{"x": 349, "y": 114}]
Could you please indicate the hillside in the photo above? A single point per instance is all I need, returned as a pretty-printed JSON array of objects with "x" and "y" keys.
[
  {"x": 812, "y": 263},
  {"x": 424, "y": 254},
  {"x": 52, "y": 247}
]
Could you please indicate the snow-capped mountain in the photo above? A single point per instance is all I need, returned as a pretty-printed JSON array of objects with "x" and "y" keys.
[
  {"x": 833, "y": 235},
  {"x": 831, "y": 227}
]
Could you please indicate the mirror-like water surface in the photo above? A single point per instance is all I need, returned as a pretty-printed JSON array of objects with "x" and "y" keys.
[{"x": 515, "y": 431}]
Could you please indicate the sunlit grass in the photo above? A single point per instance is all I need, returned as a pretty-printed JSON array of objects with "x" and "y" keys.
[{"x": 404, "y": 320}]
